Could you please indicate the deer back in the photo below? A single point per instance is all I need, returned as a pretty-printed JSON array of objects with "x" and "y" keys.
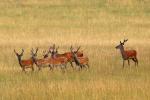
[
  {"x": 83, "y": 60},
  {"x": 130, "y": 53},
  {"x": 27, "y": 62}
]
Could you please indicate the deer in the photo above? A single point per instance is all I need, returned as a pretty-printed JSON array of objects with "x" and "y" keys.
[
  {"x": 45, "y": 54},
  {"x": 40, "y": 62},
  {"x": 127, "y": 54},
  {"x": 68, "y": 55},
  {"x": 51, "y": 62},
  {"x": 24, "y": 64},
  {"x": 80, "y": 61}
]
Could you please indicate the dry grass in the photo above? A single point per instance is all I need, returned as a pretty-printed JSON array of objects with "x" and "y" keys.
[{"x": 97, "y": 26}]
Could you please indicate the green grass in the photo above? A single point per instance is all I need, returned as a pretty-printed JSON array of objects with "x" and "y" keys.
[{"x": 96, "y": 25}]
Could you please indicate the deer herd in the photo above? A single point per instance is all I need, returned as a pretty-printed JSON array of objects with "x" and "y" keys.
[
  {"x": 73, "y": 56},
  {"x": 54, "y": 60}
]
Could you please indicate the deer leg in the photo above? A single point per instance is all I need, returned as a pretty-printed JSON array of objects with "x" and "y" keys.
[
  {"x": 81, "y": 66},
  {"x": 123, "y": 63},
  {"x": 39, "y": 68},
  {"x": 62, "y": 68},
  {"x": 137, "y": 61},
  {"x": 65, "y": 65},
  {"x": 87, "y": 65},
  {"x": 23, "y": 69},
  {"x": 50, "y": 67},
  {"x": 128, "y": 62},
  {"x": 32, "y": 68},
  {"x": 71, "y": 64},
  {"x": 134, "y": 60}
]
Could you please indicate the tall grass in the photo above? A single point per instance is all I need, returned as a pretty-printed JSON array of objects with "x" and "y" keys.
[{"x": 96, "y": 25}]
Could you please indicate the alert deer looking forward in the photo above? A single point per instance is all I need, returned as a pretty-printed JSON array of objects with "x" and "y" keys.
[
  {"x": 127, "y": 54},
  {"x": 24, "y": 63},
  {"x": 40, "y": 63},
  {"x": 80, "y": 61},
  {"x": 68, "y": 55},
  {"x": 51, "y": 62}
]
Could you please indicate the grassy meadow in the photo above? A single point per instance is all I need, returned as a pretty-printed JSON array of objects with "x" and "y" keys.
[{"x": 95, "y": 25}]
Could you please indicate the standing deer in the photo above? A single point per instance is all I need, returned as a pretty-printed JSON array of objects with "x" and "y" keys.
[
  {"x": 80, "y": 61},
  {"x": 45, "y": 54},
  {"x": 68, "y": 55},
  {"x": 40, "y": 62},
  {"x": 51, "y": 62},
  {"x": 24, "y": 63},
  {"x": 127, "y": 54}
]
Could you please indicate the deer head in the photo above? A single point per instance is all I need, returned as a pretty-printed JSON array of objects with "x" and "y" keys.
[
  {"x": 74, "y": 55},
  {"x": 34, "y": 54},
  {"x": 19, "y": 55},
  {"x": 53, "y": 50},
  {"x": 75, "y": 51},
  {"x": 45, "y": 54},
  {"x": 121, "y": 44},
  {"x": 57, "y": 50}
]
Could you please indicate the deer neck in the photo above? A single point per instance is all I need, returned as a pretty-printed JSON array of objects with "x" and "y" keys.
[
  {"x": 19, "y": 59},
  {"x": 76, "y": 59},
  {"x": 123, "y": 53},
  {"x": 45, "y": 56},
  {"x": 34, "y": 60}
]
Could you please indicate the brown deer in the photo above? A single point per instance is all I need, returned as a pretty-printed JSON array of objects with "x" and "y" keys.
[
  {"x": 80, "y": 61},
  {"x": 45, "y": 54},
  {"x": 68, "y": 55},
  {"x": 127, "y": 54},
  {"x": 40, "y": 62},
  {"x": 24, "y": 63},
  {"x": 51, "y": 62}
]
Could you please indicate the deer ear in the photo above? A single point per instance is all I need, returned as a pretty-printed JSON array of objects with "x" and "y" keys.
[
  {"x": 53, "y": 46},
  {"x": 120, "y": 42},
  {"x": 37, "y": 50},
  {"x": 78, "y": 49},
  {"x": 15, "y": 51},
  {"x": 71, "y": 47},
  {"x": 44, "y": 51},
  {"x": 22, "y": 52}
]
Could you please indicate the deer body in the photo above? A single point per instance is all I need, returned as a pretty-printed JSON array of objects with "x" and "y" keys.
[
  {"x": 127, "y": 54},
  {"x": 51, "y": 62},
  {"x": 41, "y": 62},
  {"x": 67, "y": 55},
  {"x": 60, "y": 61},
  {"x": 80, "y": 61},
  {"x": 24, "y": 63}
]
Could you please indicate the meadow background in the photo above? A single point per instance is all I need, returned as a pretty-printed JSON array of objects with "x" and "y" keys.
[{"x": 95, "y": 25}]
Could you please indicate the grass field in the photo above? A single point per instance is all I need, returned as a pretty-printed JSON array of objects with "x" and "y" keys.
[{"x": 97, "y": 26}]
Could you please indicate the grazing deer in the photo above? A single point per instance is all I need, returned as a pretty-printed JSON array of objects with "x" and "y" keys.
[
  {"x": 68, "y": 55},
  {"x": 80, "y": 61},
  {"x": 24, "y": 63},
  {"x": 127, "y": 54}
]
